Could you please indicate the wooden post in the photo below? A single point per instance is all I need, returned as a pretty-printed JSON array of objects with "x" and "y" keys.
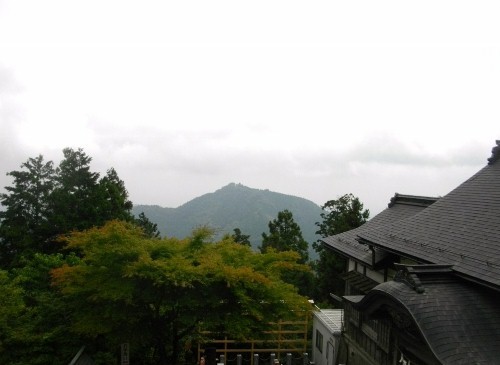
[
  {"x": 279, "y": 338},
  {"x": 225, "y": 346},
  {"x": 305, "y": 330},
  {"x": 125, "y": 354}
]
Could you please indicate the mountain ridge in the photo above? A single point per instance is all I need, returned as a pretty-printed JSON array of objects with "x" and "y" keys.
[{"x": 235, "y": 206}]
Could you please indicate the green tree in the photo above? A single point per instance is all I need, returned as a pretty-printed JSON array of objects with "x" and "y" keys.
[
  {"x": 35, "y": 328},
  {"x": 23, "y": 223},
  {"x": 113, "y": 201},
  {"x": 158, "y": 294},
  {"x": 285, "y": 235},
  {"x": 11, "y": 309},
  {"x": 340, "y": 215},
  {"x": 44, "y": 202},
  {"x": 149, "y": 228},
  {"x": 80, "y": 200},
  {"x": 240, "y": 238}
]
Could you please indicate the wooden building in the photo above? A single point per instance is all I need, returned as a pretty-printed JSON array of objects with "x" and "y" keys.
[{"x": 423, "y": 281}]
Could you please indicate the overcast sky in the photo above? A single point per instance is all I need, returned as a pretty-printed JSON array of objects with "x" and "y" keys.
[{"x": 310, "y": 98}]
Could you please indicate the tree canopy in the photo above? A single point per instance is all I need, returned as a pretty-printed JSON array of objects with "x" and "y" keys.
[
  {"x": 340, "y": 215},
  {"x": 44, "y": 202},
  {"x": 76, "y": 268},
  {"x": 157, "y": 294},
  {"x": 33, "y": 317},
  {"x": 285, "y": 235},
  {"x": 149, "y": 228},
  {"x": 242, "y": 239},
  {"x": 23, "y": 224}
]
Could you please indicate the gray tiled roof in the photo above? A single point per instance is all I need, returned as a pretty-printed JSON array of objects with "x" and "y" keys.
[
  {"x": 359, "y": 281},
  {"x": 459, "y": 321},
  {"x": 332, "y": 319},
  {"x": 400, "y": 207},
  {"x": 461, "y": 229}
]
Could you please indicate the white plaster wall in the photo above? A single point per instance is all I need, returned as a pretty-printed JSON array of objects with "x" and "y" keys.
[{"x": 320, "y": 358}]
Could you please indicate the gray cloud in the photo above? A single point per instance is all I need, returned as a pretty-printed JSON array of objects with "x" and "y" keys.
[{"x": 11, "y": 153}]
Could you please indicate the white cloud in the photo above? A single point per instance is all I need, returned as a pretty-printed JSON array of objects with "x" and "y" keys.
[{"x": 316, "y": 99}]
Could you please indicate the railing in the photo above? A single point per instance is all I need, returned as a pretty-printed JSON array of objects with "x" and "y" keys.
[
  {"x": 271, "y": 360},
  {"x": 283, "y": 338}
]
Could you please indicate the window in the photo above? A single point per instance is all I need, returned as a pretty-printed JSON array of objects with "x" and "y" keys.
[{"x": 319, "y": 341}]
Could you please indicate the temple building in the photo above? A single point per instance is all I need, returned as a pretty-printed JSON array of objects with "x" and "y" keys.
[{"x": 423, "y": 278}]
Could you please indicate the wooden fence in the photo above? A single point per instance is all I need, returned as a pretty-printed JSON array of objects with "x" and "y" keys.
[{"x": 283, "y": 337}]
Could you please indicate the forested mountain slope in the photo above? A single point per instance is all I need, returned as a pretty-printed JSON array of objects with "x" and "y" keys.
[{"x": 235, "y": 206}]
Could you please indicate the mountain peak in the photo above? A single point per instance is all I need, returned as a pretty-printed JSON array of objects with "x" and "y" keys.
[
  {"x": 234, "y": 186},
  {"x": 235, "y": 206}
]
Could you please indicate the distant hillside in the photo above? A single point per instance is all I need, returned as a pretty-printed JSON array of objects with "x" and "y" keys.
[{"x": 235, "y": 206}]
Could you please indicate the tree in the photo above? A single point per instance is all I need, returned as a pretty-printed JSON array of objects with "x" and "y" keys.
[
  {"x": 285, "y": 235},
  {"x": 11, "y": 309},
  {"x": 149, "y": 228},
  {"x": 23, "y": 224},
  {"x": 80, "y": 200},
  {"x": 338, "y": 216},
  {"x": 33, "y": 318},
  {"x": 157, "y": 294},
  {"x": 44, "y": 202},
  {"x": 240, "y": 238},
  {"x": 342, "y": 215},
  {"x": 113, "y": 201}
]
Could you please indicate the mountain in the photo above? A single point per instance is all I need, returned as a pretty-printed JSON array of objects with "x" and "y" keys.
[{"x": 235, "y": 206}]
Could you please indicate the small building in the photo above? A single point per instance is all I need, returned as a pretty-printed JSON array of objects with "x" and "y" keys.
[{"x": 327, "y": 329}]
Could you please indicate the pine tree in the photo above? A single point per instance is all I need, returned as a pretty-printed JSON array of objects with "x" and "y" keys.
[{"x": 339, "y": 216}]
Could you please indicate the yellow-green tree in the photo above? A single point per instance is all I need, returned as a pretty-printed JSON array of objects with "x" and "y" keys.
[
  {"x": 157, "y": 294},
  {"x": 33, "y": 321}
]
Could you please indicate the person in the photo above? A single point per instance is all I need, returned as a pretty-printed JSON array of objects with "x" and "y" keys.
[{"x": 202, "y": 360}]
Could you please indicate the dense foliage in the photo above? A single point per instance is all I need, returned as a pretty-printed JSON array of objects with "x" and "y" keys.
[
  {"x": 285, "y": 235},
  {"x": 77, "y": 269},
  {"x": 340, "y": 215},
  {"x": 34, "y": 326},
  {"x": 44, "y": 202},
  {"x": 159, "y": 294}
]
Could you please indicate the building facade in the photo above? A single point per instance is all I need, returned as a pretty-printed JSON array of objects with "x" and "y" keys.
[
  {"x": 424, "y": 278},
  {"x": 327, "y": 329}
]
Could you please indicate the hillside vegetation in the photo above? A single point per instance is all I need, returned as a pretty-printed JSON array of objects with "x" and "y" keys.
[{"x": 235, "y": 206}]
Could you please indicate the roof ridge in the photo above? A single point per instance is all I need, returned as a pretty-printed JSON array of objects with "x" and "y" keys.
[
  {"x": 495, "y": 153},
  {"x": 422, "y": 201},
  {"x": 439, "y": 249}
]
